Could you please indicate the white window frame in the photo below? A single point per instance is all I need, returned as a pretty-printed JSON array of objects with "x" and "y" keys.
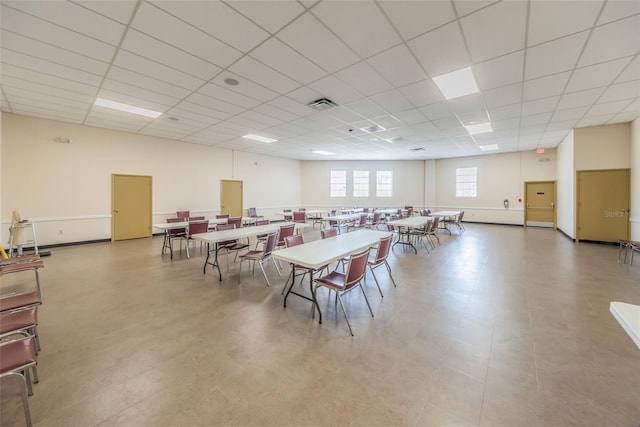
[
  {"x": 360, "y": 183},
  {"x": 467, "y": 182},
  {"x": 338, "y": 184},
  {"x": 384, "y": 183}
]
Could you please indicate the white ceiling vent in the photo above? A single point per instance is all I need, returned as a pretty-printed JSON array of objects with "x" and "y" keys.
[
  {"x": 373, "y": 129},
  {"x": 322, "y": 104},
  {"x": 416, "y": 149}
]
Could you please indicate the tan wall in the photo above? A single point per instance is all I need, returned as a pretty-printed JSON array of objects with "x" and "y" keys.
[
  {"x": 500, "y": 176},
  {"x": 66, "y": 188},
  {"x": 408, "y": 177},
  {"x": 602, "y": 147},
  {"x": 635, "y": 179}
]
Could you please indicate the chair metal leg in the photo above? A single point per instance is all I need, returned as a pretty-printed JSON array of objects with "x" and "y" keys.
[
  {"x": 376, "y": 280},
  {"x": 25, "y": 401},
  {"x": 344, "y": 312},
  {"x": 365, "y": 298}
]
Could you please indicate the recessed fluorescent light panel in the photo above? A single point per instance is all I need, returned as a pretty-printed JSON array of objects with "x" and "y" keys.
[
  {"x": 259, "y": 138},
  {"x": 490, "y": 147},
  {"x": 478, "y": 128},
  {"x": 324, "y": 153},
  {"x": 457, "y": 83},
  {"x": 126, "y": 108}
]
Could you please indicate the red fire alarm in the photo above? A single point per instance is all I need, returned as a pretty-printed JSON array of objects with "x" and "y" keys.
[{"x": 540, "y": 150}]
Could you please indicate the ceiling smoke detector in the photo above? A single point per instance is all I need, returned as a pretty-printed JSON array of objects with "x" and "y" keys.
[{"x": 322, "y": 104}]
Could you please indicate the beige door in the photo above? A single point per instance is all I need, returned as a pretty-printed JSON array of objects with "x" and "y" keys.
[
  {"x": 231, "y": 197},
  {"x": 603, "y": 205},
  {"x": 130, "y": 206},
  {"x": 540, "y": 204}
]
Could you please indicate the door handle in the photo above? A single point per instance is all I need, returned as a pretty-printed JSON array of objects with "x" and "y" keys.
[
  {"x": 553, "y": 205},
  {"x": 116, "y": 210}
]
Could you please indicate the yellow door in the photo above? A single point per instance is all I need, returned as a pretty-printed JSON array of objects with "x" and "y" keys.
[
  {"x": 540, "y": 204},
  {"x": 603, "y": 205},
  {"x": 130, "y": 206},
  {"x": 231, "y": 197}
]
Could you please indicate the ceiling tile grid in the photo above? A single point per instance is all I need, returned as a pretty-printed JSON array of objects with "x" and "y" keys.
[{"x": 218, "y": 70}]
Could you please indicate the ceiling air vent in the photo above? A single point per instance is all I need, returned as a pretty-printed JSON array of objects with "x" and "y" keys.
[
  {"x": 416, "y": 149},
  {"x": 322, "y": 104},
  {"x": 373, "y": 129}
]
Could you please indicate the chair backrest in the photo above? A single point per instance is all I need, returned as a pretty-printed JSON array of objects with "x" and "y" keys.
[
  {"x": 460, "y": 216},
  {"x": 263, "y": 221},
  {"x": 434, "y": 224},
  {"x": 196, "y": 227},
  {"x": 302, "y": 209},
  {"x": 219, "y": 216},
  {"x": 176, "y": 231},
  {"x": 363, "y": 219},
  {"x": 383, "y": 249},
  {"x": 196, "y": 218},
  {"x": 293, "y": 240},
  {"x": 270, "y": 244},
  {"x": 182, "y": 214},
  {"x": 175, "y": 220},
  {"x": 376, "y": 218},
  {"x": 299, "y": 217},
  {"x": 222, "y": 227},
  {"x": 285, "y": 230},
  {"x": 253, "y": 213},
  {"x": 329, "y": 232},
  {"x": 356, "y": 268},
  {"x": 237, "y": 221},
  {"x": 365, "y": 210}
]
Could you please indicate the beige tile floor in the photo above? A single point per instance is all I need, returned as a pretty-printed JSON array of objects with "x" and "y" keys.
[{"x": 502, "y": 326}]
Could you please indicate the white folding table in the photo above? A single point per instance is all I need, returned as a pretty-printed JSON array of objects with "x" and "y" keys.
[{"x": 404, "y": 228}]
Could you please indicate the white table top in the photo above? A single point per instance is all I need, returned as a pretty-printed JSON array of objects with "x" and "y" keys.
[
  {"x": 387, "y": 211},
  {"x": 239, "y": 233},
  {"x": 321, "y": 252},
  {"x": 445, "y": 213},
  {"x": 412, "y": 221},
  {"x": 184, "y": 224},
  {"x": 344, "y": 217},
  {"x": 628, "y": 315}
]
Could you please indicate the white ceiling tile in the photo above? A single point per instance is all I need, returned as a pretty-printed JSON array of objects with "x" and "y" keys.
[
  {"x": 555, "y": 56},
  {"x": 607, "y": 108},
  {"x": 313, "y": 40},
  {"x": 392, "y": 101},
  {"x": 501, "y": 71},
  {"x": 120, "y": 10},
  {"x": 275, "y": 112},
  {"x": 579, "y": 99},
  {"x": 594, "y": 121},
  {"x": 130, "y": 77},
  {"x": 157, "y": 71},
  {"x": 596, "y": 75},
  {"x": 228, "y": 95},
  {"x": 544, "y": 87},
  {"x": 422, "y": 93},
  {"x": 632, "y": 72},
  {"x": 441, "y": 51},
  {"x": 32, "y": 27},
  {"x": 569, "y": 114},
  {"x": 497, "y": 30},
  {"x": 28, "y": 79},
  {"x": 271, "y": 16},
  {"x": 468, "y": 104},
  {"x": 46, "y": 52},
  {"x": 614, "y": 10},
  {"x": 540, "y": 105},
  {"x": 413, "y": 18},
  {"x": 501, "y": 126},
  {"x": 282, "y": 58},
  {"x": 397, "y": 66},
  {"x": 550, "y": 20},
  {"x": 223, "y": 107},
  {"x": 465, "y": 7},
  {"x": 376, "y": 36},
  {"x": 365, "y": 108},
  {"x": 620, "y": 91},
  {"x": 190, "y": 118},
  {"x": 246, "y": 87},
  {"x": 73, "y": 17},
  {"x": 441, "y": 110},
  {"x": 363, "y": 78},
  {"x": 159, "y": 24},
  {"x": 298, "y": 108},
  {"x": 623, "y": 118},
  {"x": 21, "y": 89},
  {"x": 201, "y": 112},
  {"x": 410, "y": 117},
  {"x": 166, "y": 56},
  {"x": 260, "y": 118},
  {"x": 334, "y": 89},
  {"x": 505, "y": 95},
  {"x": 305, "y": 95},
  {"x": 219, "y": 20},
  {"x": 42, "y": 67},
  {"x": 615, "y": 40},
  {"x": 257, "y": 72},
  {"x": 135, "y": 96},
  {"x": 536, "y": 119},
  {"x": 505, "y": 112}
]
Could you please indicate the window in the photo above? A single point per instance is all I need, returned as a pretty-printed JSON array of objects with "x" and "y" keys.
[
  {"x": 466, "y": 182},
  {"x": 360, "y": 183},
  {"x": 338, "y": 184},
  {"x": 384, "y": 183}
]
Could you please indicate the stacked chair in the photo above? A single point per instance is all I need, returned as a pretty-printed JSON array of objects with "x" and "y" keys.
[{"x": 19, "y": 342}]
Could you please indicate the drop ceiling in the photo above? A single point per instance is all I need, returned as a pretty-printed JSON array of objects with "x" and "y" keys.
[{"x": 542, "y": 67}]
